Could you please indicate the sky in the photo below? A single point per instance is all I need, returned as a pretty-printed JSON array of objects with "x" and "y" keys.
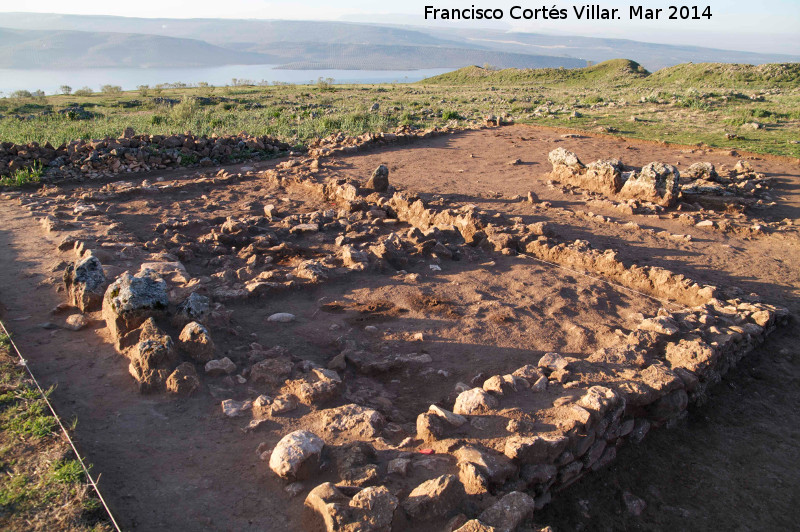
[{"x": 748, "y": 25}]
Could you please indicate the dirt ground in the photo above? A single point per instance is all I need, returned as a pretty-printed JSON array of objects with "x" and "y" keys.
[{"x": 169, "y": 463}]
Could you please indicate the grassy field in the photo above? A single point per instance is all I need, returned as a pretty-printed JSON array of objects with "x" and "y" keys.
[
  {"x": 42, "y": 485},
  {"x": 730, "y": 106}
]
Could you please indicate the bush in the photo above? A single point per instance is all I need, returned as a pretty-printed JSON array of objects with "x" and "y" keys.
[
  {"x": 451, "y": 115},
  {"x": 65, "y": 89},
  {"x": 185, "y": 110},
  {"x": 325, "y": 84},
  {"x": 24, "y": 176},
  {"x": 21, "y": 94},
  {"x": 143, "y": 90},
  {"x": 111, "y": 89},
  {"x": 84, "y": 91}
]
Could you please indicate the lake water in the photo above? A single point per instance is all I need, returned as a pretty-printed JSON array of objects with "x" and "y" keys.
[{"x": 129, "y": 78}]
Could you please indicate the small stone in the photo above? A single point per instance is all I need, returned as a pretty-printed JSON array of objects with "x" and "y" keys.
[
  {"x": 297, "y": 455},
  {"x": 494, "y": 385},
  {"x": 233, "y": 408},
  {"x": 294, "y": 489},
  {"x": 454, "y": 419},
  {"x": 553, "y": 362},
  {"x": 183, "y": 381},
  {"x": 283, "y": 404},
  {"x": 218, "y": 368},
  {"x": 356, "y": 419},
  {"x": 510, "y": 512},
  {"x": 496, "y": 467},
  {"x": 634, "y": 504},
  {"x": 281, "y": 317},
  {"x": 474, "y": 401},
  {"x": 195, "y": 341},
  {"x": 540, "y": 385},
  {"x": 399, "y": 466},
  {"x": 430, "y": 427},
  {"x": 370, "y": 510},
  {"x": 76, "y": 322},
  {"x": 379, "y": 181},
  {"x": 434, "y": 498},
  {"x": 475, "y": 483}
]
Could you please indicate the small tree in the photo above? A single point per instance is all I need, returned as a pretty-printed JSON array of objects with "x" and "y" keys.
[
  {"x": 143, "y": 90},
  {"x": 65, "y": 89}
]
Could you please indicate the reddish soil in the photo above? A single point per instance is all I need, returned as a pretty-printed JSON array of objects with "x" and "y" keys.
[{"x": 169, "y": 463}]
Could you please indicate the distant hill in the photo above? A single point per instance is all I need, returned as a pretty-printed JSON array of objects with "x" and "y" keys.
[
  {"x": 79, "y": 49},
  {"x": 30, "y": 49},
  {"x": 627, "y": 72},
  {"x": 614, "y": 71},
  {"x": 378, "y": 57},
  {"x": 327, "y": 44},
  {"x": 729, "y": 75},
  {"x": 652, "y": 56}
]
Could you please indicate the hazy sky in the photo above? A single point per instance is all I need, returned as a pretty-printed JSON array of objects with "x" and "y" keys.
[{"x": 762, "y": 25}]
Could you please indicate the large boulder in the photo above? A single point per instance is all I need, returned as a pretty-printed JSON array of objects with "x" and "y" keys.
[
  {"x": 657, "y": 183},
  {"x": 369, "y": 510},
  {"x": 153, "y": 358},
  {"x": 130, "y": 300},
  {"x": 297, "y": 455},
  {"x": 86, "y": 283}
]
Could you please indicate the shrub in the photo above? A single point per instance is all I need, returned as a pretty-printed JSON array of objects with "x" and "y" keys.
[
  {"x": 84, "y": 91},
  {"x": 143, "y": 90},
  {"x": 184, "y": 110},
  {"x": 325, "y": 84},
  {"x": 24, "y": 176},
  {"x": 111, "y": 89},
  {"x": 451, "y": 115},
  {"x": 65, "y": 89},
  {"x": 21, "y": 94}
]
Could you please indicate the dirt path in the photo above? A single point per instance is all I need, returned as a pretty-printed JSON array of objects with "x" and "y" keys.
[
  {"x": 154, "y": 477},
  {"x": 167, "y": 464}
]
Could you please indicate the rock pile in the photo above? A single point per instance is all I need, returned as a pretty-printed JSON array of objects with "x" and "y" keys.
[
  {"x": 656, "y": 183},
  {"x": 134, "y": 153}
]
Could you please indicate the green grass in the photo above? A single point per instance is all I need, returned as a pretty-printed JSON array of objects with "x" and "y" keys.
[
  {"x": 687, "y": 104},
  {"x": 24, "y": 176},
  {"x": 41, "y": 480}
]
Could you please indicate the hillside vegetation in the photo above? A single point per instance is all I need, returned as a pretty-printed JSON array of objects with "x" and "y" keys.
[
  {"x": 608, "y": 72},
  {"x": 760, "y": 112},
  {"x": 625, "y": 71}
]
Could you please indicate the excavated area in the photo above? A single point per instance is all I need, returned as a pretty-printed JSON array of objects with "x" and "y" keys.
[{"x": 559, "y": 324}]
